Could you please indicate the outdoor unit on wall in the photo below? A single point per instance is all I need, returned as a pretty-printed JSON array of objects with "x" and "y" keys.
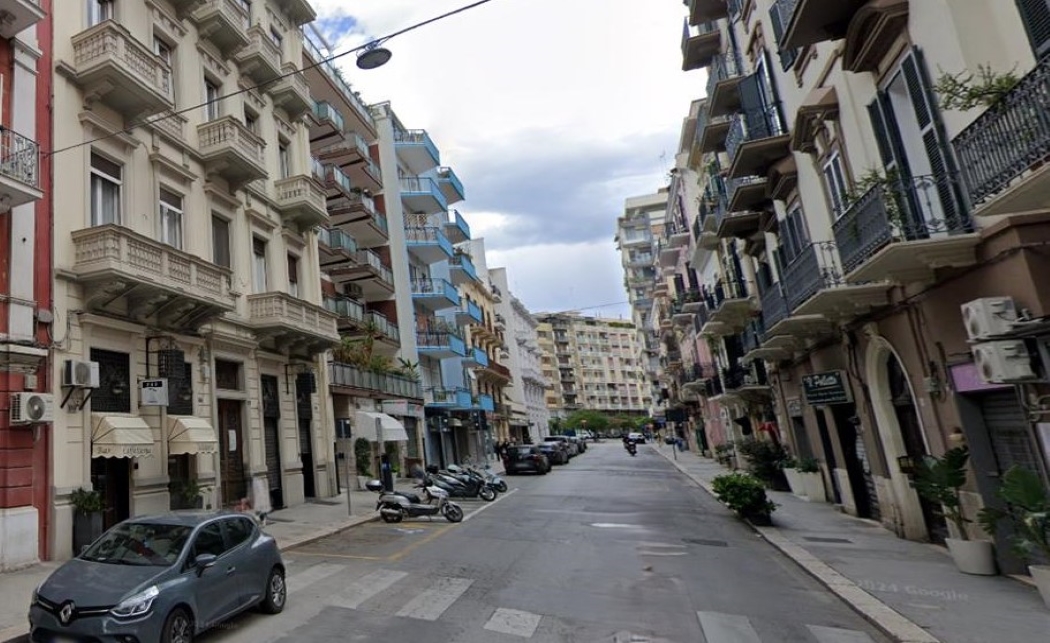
[
  {"x": 80, "y": 373},
  {"x": 1004, "y": 362},
  {"x": 988, "y": 317},
  {"x": 31, "y": 408}
]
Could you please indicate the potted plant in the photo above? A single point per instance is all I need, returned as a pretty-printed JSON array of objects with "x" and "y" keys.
[
  {"x": 765, "y": 460},
  {"x": 794, "y": 480},
  {"x": 186, "y": 494},
  {"x": 1028, "y": 512},
  {"x": 87, "y": 517},
  {"x": 812, "y": 482},
  {"x": 941, "y": 480},
  {"x": 363, "y": 461},
  {"x": 746, "y": 495}
]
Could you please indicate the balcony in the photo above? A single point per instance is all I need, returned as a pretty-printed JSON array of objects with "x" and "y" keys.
[
  {"x": 327, "y": 84},
  {"x": 668, "y": 254},
  {"x": 812, "y": 21},
  {"x": 739, "y": 220},
  {"x": 356, "y": 380},
  {"x": 868, "y": 28},
  {"x": 457, "y": 229},
  {"x": 448, "y": 398},
  {"x": 291, "y": 326},
  {"x": 356, "y": 214},
  {"x": 461, "y": 269},
  {"x": 707, "y": 10},
  {"x": 420, "y": 194},
  {"x": 336, "y": 182},
  {"x": 223, "y": 23},
  {"x": 434, "y": 294},
  {"x": 756, "y": 140},
  {"x": 486, "y": 403},
  {"x": 711, "y": 133},
  {"x": 428, "y": 243},
  {"x": 469, "y": 313},
  {"x": 678, "y": 234},
  {"x": 260, "y": 59},
  {"x": 440, "y": 345},
  {"x": 1003, "y": 153},
  {"x": 132, "y": 276},
  {"x": 365, "y": 173},
  {"x": 748, "y": 193},
  {"x": 302, "y": 202},
  {"x": 19, "y": 169},
  {"x": 723, "y": 84},
  {"x": 450, "y": 185},
  {"x": 335, "y": 247},
  {"x": 388, "y": 330},
  {"x": 476, "y": 357},
  {"x": 748, "y": 383},
  {"x": 496, "y": 372},
  {"x": 349, "y": 148},
  {"x": 699, "y": 47},
  {"x": 731, "y": 304},
  {"x": 327, "y": 126},
  {"x": 815, "y": 288},
  {"x": 904, "y": 229},
  {"x": 350, "y": 314},
  {"x": 291, "y": 93},
  {"x": 19, "y": 15},
  {"x": 300, "y": 11},
  {"x": 113, "y": 68},
  {"x": 369, "y": 273},
  {"x": 416, "y": 150},
  {"x": 679, "y": 316},
  {"x": 230, "y": 150}
]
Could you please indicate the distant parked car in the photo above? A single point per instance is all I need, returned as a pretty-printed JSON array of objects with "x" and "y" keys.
[
  {"x": 161, "y": 578},
  {"x": 525, "y": 458},
  {"x": 637, "y": 438},
  {"x": 556, "y": 452},
  {"x": 572, "y": 447}
]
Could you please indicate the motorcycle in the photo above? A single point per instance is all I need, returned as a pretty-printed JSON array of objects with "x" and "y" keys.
[
  {"x": 461, "y": 487},
  {"x": 495, "y": 481},
  {"x": 467, "y": 473},
  {"x": 395, "y": 506},
  {"x": 632, "y": 448}
]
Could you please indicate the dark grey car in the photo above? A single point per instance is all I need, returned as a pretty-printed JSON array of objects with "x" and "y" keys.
[{"x": 160, "y": 578}]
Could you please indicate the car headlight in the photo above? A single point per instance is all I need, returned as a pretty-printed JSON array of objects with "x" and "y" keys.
[{"x": 136, "y": 605}]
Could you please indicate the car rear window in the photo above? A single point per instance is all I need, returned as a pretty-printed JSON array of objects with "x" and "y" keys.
[{"x": 522, "y": 450}]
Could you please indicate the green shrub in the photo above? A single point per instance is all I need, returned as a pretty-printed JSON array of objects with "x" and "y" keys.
[
  {"x": 744, "y": 494},
  {"x": 85, "y": 501},
  {"x": 363, "y": 456},
  {"x": 765, "y": 459},
  {"x": 808, "y": 465}
]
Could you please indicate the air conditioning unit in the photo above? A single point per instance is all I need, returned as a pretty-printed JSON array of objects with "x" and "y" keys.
[
  {"x": 988, "y": 317},
  {"x": 29, "y": 408},
  {"x": 1004, "y": 361},
  {"x": 80, "y": 373}
]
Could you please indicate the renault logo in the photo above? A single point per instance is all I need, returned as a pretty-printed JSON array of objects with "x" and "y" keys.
[{"x": 65, "y": 615}]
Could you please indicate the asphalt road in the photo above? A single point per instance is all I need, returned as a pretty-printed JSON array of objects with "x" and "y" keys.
[{"x": 607, "y": 549}]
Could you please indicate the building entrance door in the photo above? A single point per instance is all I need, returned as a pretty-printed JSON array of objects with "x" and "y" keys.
[
  {"x": 111, "y": 477},
  {"x": 231, "y": 453}
]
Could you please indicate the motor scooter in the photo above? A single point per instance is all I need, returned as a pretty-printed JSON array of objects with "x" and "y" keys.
[
  {"x": 495, "y": 481},
  {"x": 395, "y": 506},
  {"x": 461, "y": 487},
  {"x": 468, "y": 473},
  {"x": 632, "y": 448}
]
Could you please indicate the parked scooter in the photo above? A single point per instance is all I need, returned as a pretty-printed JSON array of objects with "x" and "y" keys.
[
  {"x": 460, "y": 487},
  {"x": 467, "y": 473},
  {"x": 395, "y": 506},
  {"x": 485, "y": 471}
]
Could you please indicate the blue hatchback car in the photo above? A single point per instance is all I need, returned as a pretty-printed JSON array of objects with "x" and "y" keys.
[{"x": 160, "y": 578}]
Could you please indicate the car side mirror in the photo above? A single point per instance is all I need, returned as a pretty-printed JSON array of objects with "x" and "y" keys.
[{"x": 204, "y": 561}]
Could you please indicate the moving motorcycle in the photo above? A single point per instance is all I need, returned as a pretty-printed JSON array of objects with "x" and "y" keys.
[
  {"x": 632, "y": 448},
  {"x": 395, "y": 506}
]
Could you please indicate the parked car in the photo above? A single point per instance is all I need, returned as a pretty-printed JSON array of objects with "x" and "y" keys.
[
  {"x": 161, "y": 578},
  {"x": 581, "y": 444},
  {"x": 637, "y": 438},
  {"x": 556, "y": 452},
  {"x": 525, "y": 458},
  {"x": 573, "y": 450}
]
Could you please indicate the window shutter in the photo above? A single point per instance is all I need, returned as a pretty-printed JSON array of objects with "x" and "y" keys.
[
  {"x": 1035, "y": 14},
  {"x": 882, "y": 136},
  {"x": 787, "y": 56},
  {"x": 753, "y": 107}
]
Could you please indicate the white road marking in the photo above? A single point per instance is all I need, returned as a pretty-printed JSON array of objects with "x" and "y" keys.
[
  {"x": 515, "y": 622},
  {"x": 361, "y": 589},
  {"x": 838, "y": 635},
  {"x": 432, "y": 603},
  {"x": 484, "y": 507},
  {"x": 727, "y": 628},
  {"x": 307, "y": 577},
  {"x": 615, "y": 525}
]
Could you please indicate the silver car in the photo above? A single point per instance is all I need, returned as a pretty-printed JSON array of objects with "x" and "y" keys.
[{"x": 160, "y": 578}]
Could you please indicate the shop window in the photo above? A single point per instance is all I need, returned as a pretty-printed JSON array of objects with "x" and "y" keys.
[{"x": 114, "y": 390}]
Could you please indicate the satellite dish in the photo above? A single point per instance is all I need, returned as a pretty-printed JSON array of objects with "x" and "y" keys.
[{"x": 373, "y": 57}]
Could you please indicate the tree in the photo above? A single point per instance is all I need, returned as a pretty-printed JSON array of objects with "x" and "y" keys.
[{"x": 592, "y": 420}]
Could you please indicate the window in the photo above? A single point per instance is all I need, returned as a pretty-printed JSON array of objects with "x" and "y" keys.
[
  {"x": 793, "y": 235},
  {"x": 835, "y": 183},
  {"x": 163, "y": 50},
  {"x": 99, "y": 11},
  {"x": 170, "y": 218},
  {"x": 277, "y": 39},
  {"x": 211, "y": 99},
  {"x": 251, "y": 121},
  {"x": 113, "y": 394},
  {"x": 105, "y": 190},
  {"x": 293, "y": 275},
  {"x": 209, "y": 541},
  {"x": 284, "y": 161},
  {"x": 220, "y": 242},
  {"x": 238, "y": 530},
  {"x": 246, "y": 7},
  {"x": 259, "y": 265}
]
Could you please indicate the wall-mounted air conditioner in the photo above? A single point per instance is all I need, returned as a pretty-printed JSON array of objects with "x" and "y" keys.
[
  {"x": 80, "y": 373},
  {"x": 988, "y": 317},
  {"x": 1004, "y": 362},
  {"x": 30, "y": 408}
]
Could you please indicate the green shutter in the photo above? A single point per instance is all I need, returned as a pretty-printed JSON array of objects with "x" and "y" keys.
[{"x": 1035, "y": 14}]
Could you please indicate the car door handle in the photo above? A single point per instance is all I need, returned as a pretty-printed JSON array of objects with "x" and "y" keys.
[{"x": 230, "y": 570}]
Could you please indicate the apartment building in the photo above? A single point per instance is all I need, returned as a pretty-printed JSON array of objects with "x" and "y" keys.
[
  {"x": 552, "y": 397},
  {"x": 879, "y": 288},
  {"x": 26, "y": 317},
  {"x": 529, "y": 418}
]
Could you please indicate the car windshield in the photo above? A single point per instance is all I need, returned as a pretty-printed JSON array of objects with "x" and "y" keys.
[
  {"x": 139, "y": 543},
  {"x": 523, "y": 450}
]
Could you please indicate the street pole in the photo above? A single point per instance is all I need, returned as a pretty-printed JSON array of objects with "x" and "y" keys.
[{"x": 346, "y": 462}]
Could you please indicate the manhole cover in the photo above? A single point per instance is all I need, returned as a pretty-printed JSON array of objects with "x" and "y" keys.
[
  {"x": 705, "y": 542},
  {"x": 818, "y": 539}
]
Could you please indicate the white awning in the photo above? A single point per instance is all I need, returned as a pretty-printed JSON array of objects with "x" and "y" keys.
[
  {"x": 393, "y": 430},
  {"x": 190, "y": 434},
  {"x": 121, "y": 436}
]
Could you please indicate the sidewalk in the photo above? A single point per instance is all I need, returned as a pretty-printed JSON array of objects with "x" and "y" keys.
[{"x": 911, "y": 591}]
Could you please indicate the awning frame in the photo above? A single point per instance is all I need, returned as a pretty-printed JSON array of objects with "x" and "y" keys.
[{"x": 121, "y": 436}]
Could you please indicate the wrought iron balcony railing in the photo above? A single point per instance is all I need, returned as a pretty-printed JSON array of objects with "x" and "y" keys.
[
  {"x": 774, "y": 306},
  {"x": 810, "y": 271},
  {"x": 753, "y": 125},
  {"x": 723, "y": 68}
]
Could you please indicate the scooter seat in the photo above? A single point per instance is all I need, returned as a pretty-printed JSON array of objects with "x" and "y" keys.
[{"x": 411, "y": 497}]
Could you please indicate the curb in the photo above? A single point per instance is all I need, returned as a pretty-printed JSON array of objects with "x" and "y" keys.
[{"x": 889, "y": 621}]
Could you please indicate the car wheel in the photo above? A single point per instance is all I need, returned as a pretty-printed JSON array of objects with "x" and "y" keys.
[
  {"x": 276, "y": 593},
  {"x": 178, "y": 627}
]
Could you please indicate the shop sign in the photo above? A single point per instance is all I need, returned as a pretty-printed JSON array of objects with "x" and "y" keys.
[
  {"x": 794, "y": 407},
  {"x": 153, "y": 392},
  {"x": 829, "y": 387},
  {"x": 121, "y": 451}
]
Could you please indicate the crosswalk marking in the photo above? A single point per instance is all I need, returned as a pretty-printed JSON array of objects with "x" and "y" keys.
[
  {"x": 838, "y": 635},
  {"x": 727, "y": 628},
  {"x": 430, "y": 604},
  {"x": 361, "y": 589},
  {"x": 515, "y": 622},
  {"x": 300, "y": 580}
]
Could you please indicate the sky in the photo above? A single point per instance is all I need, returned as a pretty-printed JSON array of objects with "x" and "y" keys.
[{"x": 551, "y": 112}]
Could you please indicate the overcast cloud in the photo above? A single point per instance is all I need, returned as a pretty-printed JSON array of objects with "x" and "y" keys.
[{"x": 551, "y": 112}]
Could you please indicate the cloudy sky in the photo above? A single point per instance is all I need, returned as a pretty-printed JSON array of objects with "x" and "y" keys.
[{"x": 551, "y": 112}]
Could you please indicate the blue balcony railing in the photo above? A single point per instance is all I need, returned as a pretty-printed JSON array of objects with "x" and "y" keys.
[
  {"x": 417, "y": 137},
  {"x": 481, "y": 358},
  {"x": 441, "y": 341},
  {"x": 417, "y": 186},
  {"x": 474, "y": 311},
  {"x": 487, "y": 403},
  {"x": 461, "y": 224},
  {"x": 458, "y": 398},
  {"x": 447, "y": 175},
  {"x": 428, "y": 236},
  {"x": 430, "y": 287},
  {"x": 463, "y": 262}
]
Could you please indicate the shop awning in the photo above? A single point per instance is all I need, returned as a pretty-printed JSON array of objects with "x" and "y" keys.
[
  {"x": 188, "y": 434},
  {"x": 121, "y": 436},
  {"x": 393, "y": 430}
]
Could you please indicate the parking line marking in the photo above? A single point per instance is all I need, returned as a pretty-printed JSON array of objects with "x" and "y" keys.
[
  {"x": 430, "y": 604},
  {"x": 321, "y": 554},
  {"x": 361, "y": 589},
  {"x": 486, "y": 506}
]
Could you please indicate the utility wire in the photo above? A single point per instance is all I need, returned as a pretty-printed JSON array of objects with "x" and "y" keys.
[{"x": 375, "y": 41}]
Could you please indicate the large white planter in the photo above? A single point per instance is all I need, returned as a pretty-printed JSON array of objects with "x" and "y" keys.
[
  {"x": 794, "y": 481},
  {"x": 1041, "y": 576},
  {"x": 973, "y": 556},
  {"x": 813, "y": 486}
]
